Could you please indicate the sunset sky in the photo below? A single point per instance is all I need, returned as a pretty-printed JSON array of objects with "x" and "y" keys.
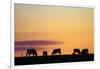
[{"x": 48, "y": 27}]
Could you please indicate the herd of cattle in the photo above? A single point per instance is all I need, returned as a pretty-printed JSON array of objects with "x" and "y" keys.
[{"x": 76, "y": 51}]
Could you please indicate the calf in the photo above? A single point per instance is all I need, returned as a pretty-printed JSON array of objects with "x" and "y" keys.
[{"x": 45, "y": 53}]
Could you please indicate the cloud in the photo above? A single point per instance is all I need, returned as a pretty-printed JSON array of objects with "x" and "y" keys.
[
  {"x": 36, "y": 43},
  {"x": 25, "y": 48}
]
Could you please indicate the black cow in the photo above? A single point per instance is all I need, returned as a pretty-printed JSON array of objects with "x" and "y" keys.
[
  {"x": 56, "y": 51},
  {"x": 31, "y": 51},
  {"x": 84, "y": 52},
  {"x": 76, "y": 51},
  {"x": 45, "y": 53}
]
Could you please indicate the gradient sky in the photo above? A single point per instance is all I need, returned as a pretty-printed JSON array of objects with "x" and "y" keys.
[{"x": 70, "y": 27}]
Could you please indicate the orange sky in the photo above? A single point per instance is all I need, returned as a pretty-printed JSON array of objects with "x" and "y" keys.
[{"x": 73, "y": 26}]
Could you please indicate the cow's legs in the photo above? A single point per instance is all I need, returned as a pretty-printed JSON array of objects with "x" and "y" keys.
[
  {"x": 59, "y": 53},
  {"x": 27, "y": 54},
  {"x": 53, "y": 54},
  {"x": 36, "y": 54}
]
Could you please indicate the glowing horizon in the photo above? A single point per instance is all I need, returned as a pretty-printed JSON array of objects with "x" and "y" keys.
[{"x": 73, "y": 26}]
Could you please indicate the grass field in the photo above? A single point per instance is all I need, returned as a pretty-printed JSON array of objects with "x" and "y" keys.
[{"x": 52, "y": 59}]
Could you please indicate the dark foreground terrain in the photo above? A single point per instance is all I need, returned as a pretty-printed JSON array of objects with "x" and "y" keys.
[{"x": 52, "y": 59}]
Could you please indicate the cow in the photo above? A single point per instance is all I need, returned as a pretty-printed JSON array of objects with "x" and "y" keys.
[
  {"x": 45, "y": 53},
  {"x": 31, "y": 51},
  {"x": 84, "y": 52},
  {"x": 56, "y": 51},
  {"x": 76, "y": 51}
]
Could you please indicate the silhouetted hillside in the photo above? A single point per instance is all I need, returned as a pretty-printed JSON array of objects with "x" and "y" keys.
[{"x": 52, "y": 59}]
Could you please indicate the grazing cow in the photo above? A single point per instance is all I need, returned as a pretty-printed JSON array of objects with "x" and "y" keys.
[
  {"x": 84, "y": 52},
  {"x": 76, "y": 51},
  {"x": 45, "y": 53},
  {"x": 31, "y": 51},
  {"x": 56, "y": 51}
]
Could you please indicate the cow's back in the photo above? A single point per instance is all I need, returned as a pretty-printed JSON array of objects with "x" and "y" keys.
[
  {"x": 56, "y": 50},
  {"x": 31, "y": 50}
]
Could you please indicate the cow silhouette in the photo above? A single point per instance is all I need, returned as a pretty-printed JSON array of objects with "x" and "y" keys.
[
  {"x": 31, "y": 52},
  {"x": 84, "y": 52},
  {"x": 56, "y": 51},
  {"x": 76, "y": 51},
  {"x": 45, "y": 53}
]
